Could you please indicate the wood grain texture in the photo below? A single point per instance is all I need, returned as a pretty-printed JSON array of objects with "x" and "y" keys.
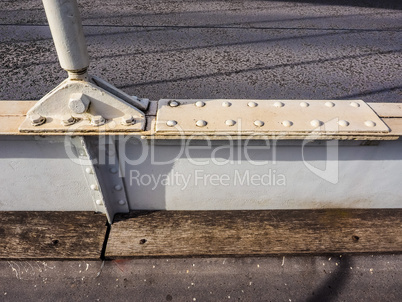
[
  {"x": 51, "y": 235},
  {"x": 246, "y": 233}
]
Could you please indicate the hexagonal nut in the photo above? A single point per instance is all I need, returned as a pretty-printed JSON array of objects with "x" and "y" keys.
[
  {"x": 127, "y": 120},
  {"x": 78, "y": 103},
  {"x": 68, "y": 120},
  {"x": 97, "y": 120},
  {"x": 37, "y": 119}
]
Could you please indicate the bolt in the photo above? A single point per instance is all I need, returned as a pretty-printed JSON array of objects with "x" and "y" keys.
[
  {"x": 37, "y": 119},
  {"x": 78, "y": 103},
  {"x": 94, "y": 187},
  {"x": 226, "y": 104},
  {"x": 98, "y": 202},
  {"x": 97, "y": 120},
  {"x": 173, "y": 103},
  {"x": 287, "y": 123},
  {"x": 68, "y": 121},
  {"x": 118, "y": 187},
  {"x": 316, "y": 123},
  {"x": 304, "y": 104},
  {"x": 230, "y": 122},
  {"x": 259, "y": 123},
  {"x": 200, "y": 104},
  {"x": 279, "y": 104},
  {"x": 369, "y": 123},
  {"x": 201, "y": 123},
  {"x": 89, "y": 170},
  {"x": 252, "y": 104},
  {"x": 343, "y": 123},
  {"x": 329, "y": 104},
  {"x": 171, "y": 123},
  {"x": 127, "y": 120},
  {"x": 354, "y": 104},
  {"x": 122, "y": 202}
]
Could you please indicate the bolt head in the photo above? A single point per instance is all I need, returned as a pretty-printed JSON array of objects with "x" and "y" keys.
[
  {"x": 97, "y": 120},
  {"x": 94, "y": 187},
  {"x": 118, "y": 187},
  {"x": 230, "y": 122},
  {"x": 304, "y": 104},
  {"x": 113, "y": 170},
  {"x": 171, "y": 123},
  {"x": 201, "y": 123},
  {"x": 329, "y": 104},
  {"x": 343, "y": 123},
  {"x": 259, "y": 123},
  {"x": 88, "y": 170},
  {"x": 252, "y": 104},
  {"x": 37, "y": 119},
  {"x": 68, "y": 121},
  {"x": 127, "y": 120},
  {"x": 316, "y": 123},
  {"x": 78, "y": 103},
  {"x": 226, "y": 104},
  {"x": 99, "y": 202},
  {"x": 355, "y": 104},
  {"x": 287, "y": 123},
  {"x": 122, "y": 202},
  {"x": 174, "y": 103},
  {"x": 200, "y": 104},
  {"x": 279, "y": 104},
  {"x": 369, "y": 123}
]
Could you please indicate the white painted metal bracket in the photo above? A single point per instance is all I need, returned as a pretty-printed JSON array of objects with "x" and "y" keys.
[{"x": 248, "y": 117}]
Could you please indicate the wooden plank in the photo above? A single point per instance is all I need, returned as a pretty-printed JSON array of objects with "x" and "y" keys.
[
  {"x": 387, "y": 109},
  {"x": 246, "y": 233},
  {"x": 51, "y": 235}
]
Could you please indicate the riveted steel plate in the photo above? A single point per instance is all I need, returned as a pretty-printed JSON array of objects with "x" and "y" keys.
[{"x": 267, "y": 116}]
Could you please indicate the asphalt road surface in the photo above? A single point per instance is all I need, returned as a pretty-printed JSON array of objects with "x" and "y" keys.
[{"x": 212, "y": 49}]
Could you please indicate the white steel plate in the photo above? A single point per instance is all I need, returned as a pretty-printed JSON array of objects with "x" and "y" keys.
[{"x": 278, "y": 116}]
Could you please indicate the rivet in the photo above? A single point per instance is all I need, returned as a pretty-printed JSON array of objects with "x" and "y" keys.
[
  {"x": 226, "y": 104},
  {"x": 118, "y": 187},
  {"x": 68, "y": 121},
  {"x": 99, "y": 202},
  {"x": 279, "y": 104},
  {"x": 97, "y": 120},
  {"x": 122, "y": 202},
  {"x": 200, "y": 104},
  {"x": 316, "y": 123},
  {"x": 127, "y": 120},
  {"x": 329, "y": 104},
  {"x": 201, "y": 123},
  {"x": 252, "y": 104},
  {"x": 230, "y": 122},
  {"x": 343, "y": 123},
  {"x": 173, "y": 103},
  {"x": 37, "y": 119},
  {"x": 354, "y": 104},
  {"x": 171, "y": 123},
  {"x": 259, "y": 123},
  {"x": 113, "y": 170},
  {"x": 88, "y": 170},
  {"x": 304, "y": 104},
  {"x": 369, "y": 123},
  {"x": 94, "y": 187},
  {"x": 287, "y": 123}
]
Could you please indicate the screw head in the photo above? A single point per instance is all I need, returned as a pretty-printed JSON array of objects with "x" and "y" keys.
[
  {"x": 98, "y": 120},
  {"x": 259, "y": 123},
  {"x": 171, "y": 123},
  {"x": 329, "y": 104},
  {"x": 37, "y": 119},
  {"x": 316, "y": 123},
  {"x": 201, "y": 123},
  {"x": 343, "y": 123},
  {"x": 200, "y": 104},
  {"x": 252, "y": 104},
  {"x": 226, "y": 104},
  {"x": 287, "y": 123},
  {"x": 173, "y": 103},
  {"x": 304, "y": 104},
  {"x": 369, "y": 123},
  {"x": 279, "y": 104},
  {"x": 127, "y": 120},
  {"x": 355, "y": 104},
  {"x": 230, "y": 122}
]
